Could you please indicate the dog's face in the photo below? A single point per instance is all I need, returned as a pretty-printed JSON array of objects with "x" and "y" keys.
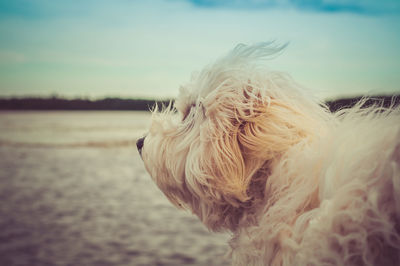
[{"x": 212, "y": 153}]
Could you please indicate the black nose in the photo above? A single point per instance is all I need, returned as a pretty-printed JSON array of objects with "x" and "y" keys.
[{"x": 139, "y": 144}]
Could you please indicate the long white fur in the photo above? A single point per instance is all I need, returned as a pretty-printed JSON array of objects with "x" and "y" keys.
[{"x": 246, "y": 149}]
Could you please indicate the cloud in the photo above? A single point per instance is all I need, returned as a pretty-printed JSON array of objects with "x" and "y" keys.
[
  {"x": 351, "y": 6},
  {"x": 39, "y": 9},
  {"x": 43, "y": 9}
]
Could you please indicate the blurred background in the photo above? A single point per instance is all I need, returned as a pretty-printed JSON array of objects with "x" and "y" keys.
[
  {"x": 73, "y": 190},
  {"x": 128, "y": 48}
]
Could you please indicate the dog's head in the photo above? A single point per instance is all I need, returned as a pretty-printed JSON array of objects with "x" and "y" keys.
[{"x": 213, "y": 151}]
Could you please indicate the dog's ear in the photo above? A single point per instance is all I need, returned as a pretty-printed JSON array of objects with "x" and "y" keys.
[
  {"x": 215, "y": 175},
  {"x": 244, "y": 130}
]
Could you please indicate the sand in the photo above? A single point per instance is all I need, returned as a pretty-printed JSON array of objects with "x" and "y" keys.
[{"x": 74, "y": 191}]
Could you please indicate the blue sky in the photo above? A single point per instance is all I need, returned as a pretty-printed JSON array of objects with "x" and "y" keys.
[
  {"x": 353, "y": 6},
  {"x": 127, "y": 48}
]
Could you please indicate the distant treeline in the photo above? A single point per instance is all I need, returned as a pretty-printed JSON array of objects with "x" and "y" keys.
[
  {"x": 383, "y": 101},
  {"x": 56, "y": 103}
]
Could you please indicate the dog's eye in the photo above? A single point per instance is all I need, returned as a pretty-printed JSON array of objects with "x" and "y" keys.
[{"x": 187, "y": 110}]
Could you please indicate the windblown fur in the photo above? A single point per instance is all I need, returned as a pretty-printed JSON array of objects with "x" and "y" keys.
[{"x": 246, "y": 149}]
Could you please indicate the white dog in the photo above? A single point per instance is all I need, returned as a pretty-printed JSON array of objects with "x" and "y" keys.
[{"x": 247, "y": 150}]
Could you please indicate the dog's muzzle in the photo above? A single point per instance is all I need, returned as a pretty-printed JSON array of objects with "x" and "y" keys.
[{"x": 139, "y": 144}]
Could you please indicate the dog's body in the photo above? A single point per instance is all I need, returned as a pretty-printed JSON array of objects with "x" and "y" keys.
[
  {"x": 340, "y": 204},
  {"x": 250, "y": 152}
]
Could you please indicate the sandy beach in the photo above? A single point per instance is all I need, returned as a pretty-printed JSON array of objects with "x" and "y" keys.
[{"x": 75, "y": 192}]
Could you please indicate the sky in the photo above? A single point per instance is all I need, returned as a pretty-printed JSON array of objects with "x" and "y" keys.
[{"x": 148, "y": 49}]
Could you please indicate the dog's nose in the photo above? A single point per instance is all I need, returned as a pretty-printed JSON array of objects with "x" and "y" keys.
[{"x": 139, "y": 144}]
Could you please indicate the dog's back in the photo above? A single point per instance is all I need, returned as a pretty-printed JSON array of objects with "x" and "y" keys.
[{"x": 351, "y": 215}]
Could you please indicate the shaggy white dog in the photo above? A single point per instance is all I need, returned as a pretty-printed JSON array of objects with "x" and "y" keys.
[{"x": 247, "y": 150}]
